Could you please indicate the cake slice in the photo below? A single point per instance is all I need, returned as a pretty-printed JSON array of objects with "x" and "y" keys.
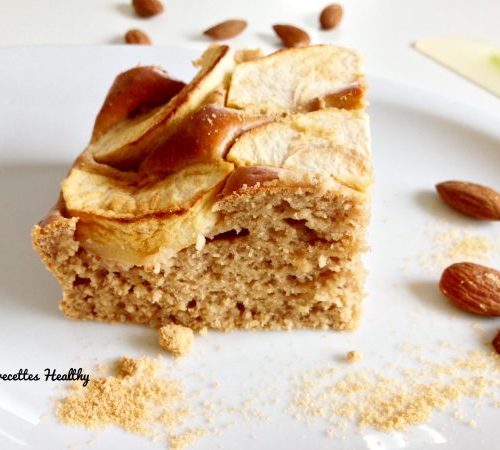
[{"x": 239, "y": 200}]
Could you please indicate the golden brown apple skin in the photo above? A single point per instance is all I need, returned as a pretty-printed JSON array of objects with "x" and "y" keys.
[
  {"x": 134, "y": 92},
  {"x": 348, "y": 98},
  {"x": 128, "y": 142},
  {"x": 203, "y": 137},
  {"x": 248, "y": 176}
]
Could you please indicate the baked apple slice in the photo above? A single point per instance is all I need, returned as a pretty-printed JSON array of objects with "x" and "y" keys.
[
  {"x": 124, "y": 143},
  {"x": 204, "y": 136},
  {"x": 299, "y": 79},
  {"x": 144, "y": 226},
  {"x": 332, "y": 142},
  {"x": 134, "y": 93}
]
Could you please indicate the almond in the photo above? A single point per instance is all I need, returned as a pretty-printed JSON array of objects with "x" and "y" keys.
[
  {"x": 227, "y": 29},
  {"x": 137, "y": 37},
  {"x": 472, "y": 287},
  {"x": 292, "y": 36},
  {"x": 331, "y": 16},
  {"x": 147, "y": 8},
  {"x": 496, "y": 342},
  {"x": 474, "y": 200}
]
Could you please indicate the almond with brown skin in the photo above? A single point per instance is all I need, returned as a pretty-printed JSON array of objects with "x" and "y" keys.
[
  {"x": 147, "y": 8},
  {"x": 496, "y": 342},
  {"x": 331, "y": 16},
  {"x": 137, "y": 37},
  {"x": 226, "y": 30},
  {"x": 471, "y": 199},
  {"x": 292, "y": 36},
  {"x": 472, "y": 287}
]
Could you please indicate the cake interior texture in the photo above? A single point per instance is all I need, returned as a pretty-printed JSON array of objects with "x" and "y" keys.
[{"x": 281, "y": 238}]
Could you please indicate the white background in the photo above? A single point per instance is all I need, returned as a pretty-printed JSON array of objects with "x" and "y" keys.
[{"x": 382, "y": 29}]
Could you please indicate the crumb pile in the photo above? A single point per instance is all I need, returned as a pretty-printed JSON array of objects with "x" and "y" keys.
[
  {"x": 176, "y": 339},
  {"x": 371, "y": 398},
  {"x": 463, "y": 244},
  {"x": 454, "y": 245},
  {"x": 141, "y": 399},
  {"x": 136, "y": 398}
]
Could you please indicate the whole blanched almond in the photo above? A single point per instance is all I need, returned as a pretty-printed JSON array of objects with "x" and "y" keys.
[
  {"x": 471, "y": 199},
  {"x": 227, "y": 29},
  {"x": 147, "y": 8},
  {"x": 292, "y": 36},
  {"x": 472, "y": 287},
  {"x": 137, "y": 37},
  {"x": 331, "y": 16},
  {"x": 496, "y": 342}
]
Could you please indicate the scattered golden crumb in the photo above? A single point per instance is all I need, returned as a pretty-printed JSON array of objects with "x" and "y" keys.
[
  {"x": 181, "y": 441},
  {"x": 412, "y": 349},
  {"x": 203, "y": 331},
  {"x": 129, "y": 399},
  {"x": 468, "y": 245},
  {"x": 140, "y": 399},
  {"x": 472, "y": 423},
  {"x": 100, "y": 369},
  {"x": 353, "y": 356},
  {"x": 175, "y": 417},
  {"x": 388, "y": 402},
  {"x": 128, "y": 366},
  {"x": 452, "y": 245},
  {"x": 177, "y": 339}
]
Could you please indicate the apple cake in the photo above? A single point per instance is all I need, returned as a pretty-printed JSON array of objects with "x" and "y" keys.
[{"x": 238, "y": 200}]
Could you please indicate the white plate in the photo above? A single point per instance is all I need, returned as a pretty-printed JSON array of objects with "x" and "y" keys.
[{"x": 48, "y": 100}]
